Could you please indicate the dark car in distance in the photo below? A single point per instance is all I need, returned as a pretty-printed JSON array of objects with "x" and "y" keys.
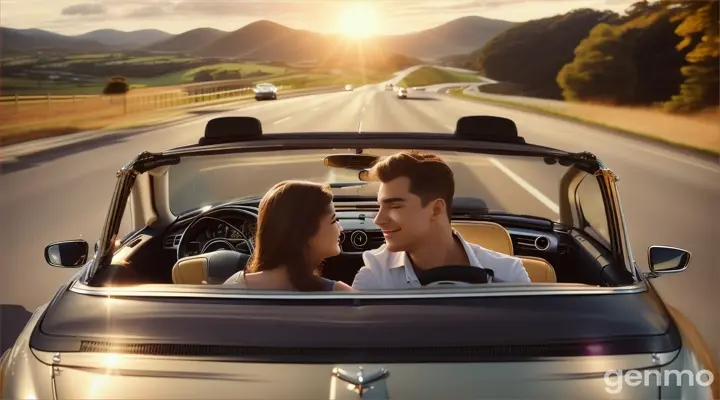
[{"x": 265, "y": 91}]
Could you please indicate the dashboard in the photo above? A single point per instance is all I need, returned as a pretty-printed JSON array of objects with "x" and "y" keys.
[
  {"x": 226, "y": 233},
  {"x": 359, "y": 234}
]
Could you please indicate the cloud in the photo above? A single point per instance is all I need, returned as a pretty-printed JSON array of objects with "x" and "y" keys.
[
  {"x": 147, "y": 12},
  {"x": 248, "y": 8},
  {"x": 152, "y": 10},
  {"x": 85, "y": 9}
]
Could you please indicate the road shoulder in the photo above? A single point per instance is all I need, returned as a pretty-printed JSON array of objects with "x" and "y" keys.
[{"x": 698, "y": 150}]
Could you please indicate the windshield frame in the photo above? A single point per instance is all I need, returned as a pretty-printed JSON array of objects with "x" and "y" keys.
[{"x": 146, "y": 161}]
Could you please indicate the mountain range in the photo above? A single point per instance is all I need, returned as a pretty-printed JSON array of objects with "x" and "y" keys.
[{"x": 260, "y": 40}]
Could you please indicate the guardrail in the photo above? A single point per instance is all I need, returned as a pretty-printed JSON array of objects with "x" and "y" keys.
[{"x": 130, "y": 101}]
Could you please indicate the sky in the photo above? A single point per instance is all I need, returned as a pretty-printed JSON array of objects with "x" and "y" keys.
[{"x": 351, "y": 17}]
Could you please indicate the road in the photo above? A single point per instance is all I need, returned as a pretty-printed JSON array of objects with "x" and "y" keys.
[{"x": 669, "y": 198}]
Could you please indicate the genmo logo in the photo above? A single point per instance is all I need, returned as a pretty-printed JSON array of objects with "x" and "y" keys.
[{"x": 616, "y": 380}]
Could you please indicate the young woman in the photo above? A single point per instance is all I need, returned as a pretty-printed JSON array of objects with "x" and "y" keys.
[{"x": 296, "y": 230}]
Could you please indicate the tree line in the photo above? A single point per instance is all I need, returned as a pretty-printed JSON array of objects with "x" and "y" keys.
[{"x": 659, "y": 52}]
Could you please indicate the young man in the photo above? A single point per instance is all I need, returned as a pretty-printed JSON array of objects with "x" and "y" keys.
[{"x": 415, "y": 196}]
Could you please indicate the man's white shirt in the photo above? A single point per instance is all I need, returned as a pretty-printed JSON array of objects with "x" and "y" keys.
[{"x": 385, "y": 269}]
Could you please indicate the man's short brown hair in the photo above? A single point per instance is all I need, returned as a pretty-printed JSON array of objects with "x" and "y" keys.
[{"x": 430, "y": 177}]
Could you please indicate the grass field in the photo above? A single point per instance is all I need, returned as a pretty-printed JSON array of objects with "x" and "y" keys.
[
  {"x": 316, "y": 79},
  {"x": 28, "y": 121},
  {"x": 249, "y": 73},
  {"x": 431, "y": 76},
  {"x": 68, "y": 80}
]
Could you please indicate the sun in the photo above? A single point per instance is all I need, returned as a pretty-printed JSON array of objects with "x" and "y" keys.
[{"x": 358, "y": 20}]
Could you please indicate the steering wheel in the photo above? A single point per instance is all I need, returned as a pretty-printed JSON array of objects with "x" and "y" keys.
[
  {"x": 218, "y": 243},
  {"x": 456, "y": 275}
]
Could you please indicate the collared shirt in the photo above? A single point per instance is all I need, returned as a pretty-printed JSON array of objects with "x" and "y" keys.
[{"x": 385, "y": 269}]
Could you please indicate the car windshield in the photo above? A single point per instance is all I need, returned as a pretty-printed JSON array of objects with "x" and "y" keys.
[{"x": 505, "y": 184}]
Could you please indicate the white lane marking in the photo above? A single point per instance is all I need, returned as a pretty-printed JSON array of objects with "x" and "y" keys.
[
  {"x": 694, "y": 163},
  {"x": 632, "y": 143},
  {"x": 281, "y": 120},
  {"x": 360, "y": 127},
  {"x": 630, "y": 140},
  {"x": 527, "y": 186}
]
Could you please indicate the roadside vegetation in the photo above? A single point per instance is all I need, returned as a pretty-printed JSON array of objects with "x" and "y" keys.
[
  {"x": 431, "y": 76},
  {"x": 88, "y": 73},
  {"x": 661, "y": 54},
  {"x": 696, "y": 132},
  {"x": 72, "y": 103}
]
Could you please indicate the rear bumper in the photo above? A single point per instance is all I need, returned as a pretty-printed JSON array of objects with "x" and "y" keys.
[{"x": 265, "y": 96}]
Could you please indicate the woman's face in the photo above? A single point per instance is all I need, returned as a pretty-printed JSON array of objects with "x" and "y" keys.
[{"x": 326, "y": 242}]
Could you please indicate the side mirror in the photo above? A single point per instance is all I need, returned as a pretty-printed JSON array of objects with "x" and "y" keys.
[
  {"x": 667, "y": 260},
  {"x": 67, "y": 254}
]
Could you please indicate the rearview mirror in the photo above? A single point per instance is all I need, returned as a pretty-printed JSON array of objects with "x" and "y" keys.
[
  {"x": 351, "y": 161},
  {"x": 364, "y": 175},
  {"x": 667, "y": 260},
  {"x": 67, "y": 254}
]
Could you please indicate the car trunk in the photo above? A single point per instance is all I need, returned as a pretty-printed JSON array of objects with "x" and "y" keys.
[
  {"x": 95, "y": 376},
  {"x": 551, "y": 346}
]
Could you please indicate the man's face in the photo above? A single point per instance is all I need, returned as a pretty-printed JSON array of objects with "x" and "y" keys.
[{"x": 402, "y": 218}]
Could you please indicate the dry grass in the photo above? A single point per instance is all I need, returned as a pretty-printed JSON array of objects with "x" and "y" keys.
[
  {"x": 699, "y": 131},
  {"x": 26, "y": 122},
  {"x": 84, "y": 122},
  {"x": 29, "y": 122}
]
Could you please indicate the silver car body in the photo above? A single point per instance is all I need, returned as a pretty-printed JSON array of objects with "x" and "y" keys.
[
  {"x": 82, "y": 361},
  {"x": 265, "y": 91}
]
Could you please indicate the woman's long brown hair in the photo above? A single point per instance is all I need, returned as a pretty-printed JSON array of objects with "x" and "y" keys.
[{"x": 290, "y": 215}]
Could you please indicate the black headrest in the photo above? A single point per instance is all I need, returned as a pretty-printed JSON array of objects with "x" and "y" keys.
[
  {"x": 222, "y": 264},
  {"x": 231, "y": 129},
  {"x": 488, "y": 128}
]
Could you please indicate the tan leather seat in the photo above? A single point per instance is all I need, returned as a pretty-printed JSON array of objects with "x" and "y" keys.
[
  {"x": 210, "y": 268},
  {"x": 493, "y": 236},
  {"x": 489, "y": 235},
  {"x": 538, "y": 269},
  {"x": 190, "y": 271}
]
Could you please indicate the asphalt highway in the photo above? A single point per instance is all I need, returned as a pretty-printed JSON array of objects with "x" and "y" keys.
[{"x": 669, "y": 197}]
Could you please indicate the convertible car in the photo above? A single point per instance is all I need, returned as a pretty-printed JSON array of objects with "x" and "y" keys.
[{"x": 146, "y": 315}]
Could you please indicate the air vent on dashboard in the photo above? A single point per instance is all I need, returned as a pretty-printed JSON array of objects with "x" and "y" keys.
[
  {"x": 172, "y": 241},
  {"x": 525, "y": 241},
  {"x": 541, "y": 243},
  {"x": 375, "y": 239}
]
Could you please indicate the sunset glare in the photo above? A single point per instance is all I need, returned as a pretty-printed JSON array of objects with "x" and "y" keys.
[{"x": 358, "y": 20}]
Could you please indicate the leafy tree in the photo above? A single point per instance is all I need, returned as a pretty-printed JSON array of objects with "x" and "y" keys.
[
  {"x": 531, "y": 54},
  {"x": 699, "y": 33},
  {"x": 204, "y": 75},
  {"x": 657, "y": 62},
  {"x": 116, "y": 85},
  {"x": 638, "y": 56},
  {"x": 603, "y": 68}
]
